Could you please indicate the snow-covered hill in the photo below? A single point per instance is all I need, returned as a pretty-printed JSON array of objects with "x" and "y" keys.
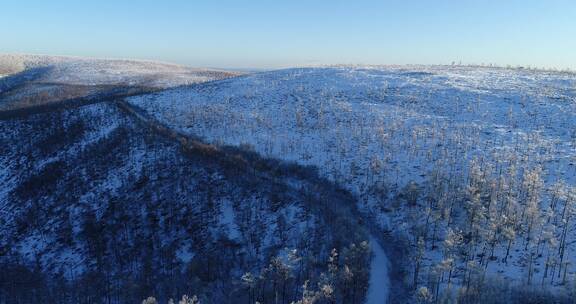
[
  {"x": 474, "y": 167},
  {"x": 43, "y": 80},
  {"x": 89, "y": 71}
]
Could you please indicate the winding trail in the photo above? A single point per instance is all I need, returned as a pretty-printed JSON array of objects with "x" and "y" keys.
[{"x": 379, "y": 280}]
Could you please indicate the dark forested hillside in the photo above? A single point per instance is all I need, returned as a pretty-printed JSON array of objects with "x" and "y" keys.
[{"x": 96, "y": 206}]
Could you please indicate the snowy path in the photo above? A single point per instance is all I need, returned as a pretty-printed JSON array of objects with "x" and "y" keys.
[{"x": 379, "y": 281}]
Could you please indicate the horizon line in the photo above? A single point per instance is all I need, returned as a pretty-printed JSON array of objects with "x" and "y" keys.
[{"x": 459, "y": 63}]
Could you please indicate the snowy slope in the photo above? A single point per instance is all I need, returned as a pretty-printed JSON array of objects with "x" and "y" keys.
[
  {"x": 410, "y": 142},
  {"x": 269, "y": 110}
]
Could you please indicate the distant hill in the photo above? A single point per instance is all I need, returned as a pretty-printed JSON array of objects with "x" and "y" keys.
[
  {"x": 35, "y": 80},
  {"x": 90, "y": 71}
]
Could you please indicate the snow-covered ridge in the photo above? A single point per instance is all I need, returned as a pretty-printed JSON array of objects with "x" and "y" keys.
[{"x": 89, "y": 71}]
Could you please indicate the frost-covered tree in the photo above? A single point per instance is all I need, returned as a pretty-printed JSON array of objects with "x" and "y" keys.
[
  {"x": 150, "y": 300},
  {"x": 187, "y": 300}
]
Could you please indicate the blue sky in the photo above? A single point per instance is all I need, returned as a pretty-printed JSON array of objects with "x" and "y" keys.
[{"x": 274, "y": 33}]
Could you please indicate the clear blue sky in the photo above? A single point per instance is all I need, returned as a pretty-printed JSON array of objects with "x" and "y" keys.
[{"x": 275, "y": 33}]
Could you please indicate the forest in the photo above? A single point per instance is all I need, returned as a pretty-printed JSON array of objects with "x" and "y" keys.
[{"x": 135, "y": 182}]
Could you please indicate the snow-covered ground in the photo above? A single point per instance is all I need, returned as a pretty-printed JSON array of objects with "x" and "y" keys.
[{"x": 410, "y": 141}]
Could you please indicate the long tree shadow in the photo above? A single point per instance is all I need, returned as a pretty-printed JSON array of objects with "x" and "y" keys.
[{"x": 17, "y": 80}]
